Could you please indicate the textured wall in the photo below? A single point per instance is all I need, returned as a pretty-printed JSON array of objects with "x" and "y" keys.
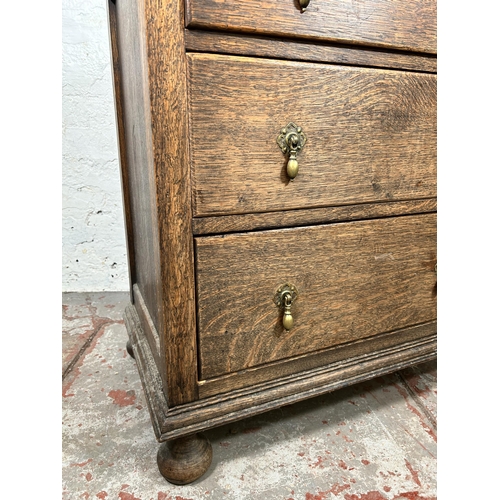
[{"x": 94, "y": 249}]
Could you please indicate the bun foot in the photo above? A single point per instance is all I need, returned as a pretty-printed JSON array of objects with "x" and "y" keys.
[
  {"x": 183, "y": 460},
  {"x": 129, "y": 349}
]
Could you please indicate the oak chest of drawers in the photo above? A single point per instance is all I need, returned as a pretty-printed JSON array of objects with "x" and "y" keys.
[{"x": 279, "y": 176}]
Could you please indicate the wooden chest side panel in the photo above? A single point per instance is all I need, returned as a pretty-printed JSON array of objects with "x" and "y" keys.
[
  {"x": 402, "y": 24},
  {"x": 120, "y": 130},
  {"x": 130, "y": 61},
  {"x": 371, "y": 134},
  {"x": 355, "y": 280}
]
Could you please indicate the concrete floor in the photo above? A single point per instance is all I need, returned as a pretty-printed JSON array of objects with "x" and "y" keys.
[{"x": 372, "y": 441}]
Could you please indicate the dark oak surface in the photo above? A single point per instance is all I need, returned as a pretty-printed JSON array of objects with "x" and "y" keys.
[
  {"x": 292, "y": 218},
  {"x": 198, "y": 150},
  {"x": 278, "y": 48},
  {"x": 371, "y": 134},
  {"x": 153, "y": 90},
  {"x": 402, "y": 24},
  {"x": 354, "y": 280},
  {"x": 183, "y": 460},
  {"x": 186, "y": 419},
  {"x": 169, "y": 123},
  {"x": 129, "y": 59},
  {"x": 148, "y": 326},
  {"x": 284, "y": 368}
]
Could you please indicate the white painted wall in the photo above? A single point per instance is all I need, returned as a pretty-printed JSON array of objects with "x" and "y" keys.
[{"x": 94, "y": 248}]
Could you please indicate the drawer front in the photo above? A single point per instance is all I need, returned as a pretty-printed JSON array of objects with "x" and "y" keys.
[
  {"x": 370, "y": 134},
  {"x": 354, "y": 280},
  {"x": 401, "y": 24}
]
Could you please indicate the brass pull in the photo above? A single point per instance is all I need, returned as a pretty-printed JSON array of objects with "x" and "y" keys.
[
  {"x": 291, "y": 140},
  {"x": 303, "y": 5},
  {"x": 283, "y": 298},
  {"x": 287, "y": 315}
]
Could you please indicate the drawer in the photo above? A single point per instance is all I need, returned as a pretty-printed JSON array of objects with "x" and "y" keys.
[
  {"x": 354, "y": 280},
  {"x": 401, "y": 24},
  {"x": 370, "y": 134}
]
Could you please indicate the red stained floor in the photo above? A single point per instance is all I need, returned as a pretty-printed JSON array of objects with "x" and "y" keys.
[{"x": 372, "y": 441}]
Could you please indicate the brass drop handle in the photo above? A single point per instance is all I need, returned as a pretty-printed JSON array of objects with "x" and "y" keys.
[
  {"x": 303, "y": 5},
  {"x": 283, "y": 298},
  {"x": 291, "y": 140},
  {"x": 287, "y": 315}
]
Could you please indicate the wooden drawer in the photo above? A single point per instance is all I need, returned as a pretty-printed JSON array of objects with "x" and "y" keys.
[
  {"x": 354, "y": 280},
  {"x": 401, "y": 24},
  {"x": 371, "y": 134}
]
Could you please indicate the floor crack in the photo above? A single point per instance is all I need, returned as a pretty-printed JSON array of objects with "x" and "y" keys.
[
  {"x": 101, "y": 324},
  {"x": 417, "y": 400}
]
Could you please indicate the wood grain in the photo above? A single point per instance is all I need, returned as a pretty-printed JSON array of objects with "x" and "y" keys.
[
  {"x": 148, "y": 326},
  {"x": 278, "y": 48},
  {"x": 400, "y": 24},
  {"x": 169, "y": 122},
  {"x": 283, "y": 369},
  {"x": 294, "y": 218},
  {"x": 355, "y": 280},
  {"x": 151, "y": 379},
  {"x": 371, "y": 134},
  {"x": 169, "y": 423},
  {"x": 219, "y": 410},
  {"x": 183, "y": 460},
  {"x": 136, "y": 146}
]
